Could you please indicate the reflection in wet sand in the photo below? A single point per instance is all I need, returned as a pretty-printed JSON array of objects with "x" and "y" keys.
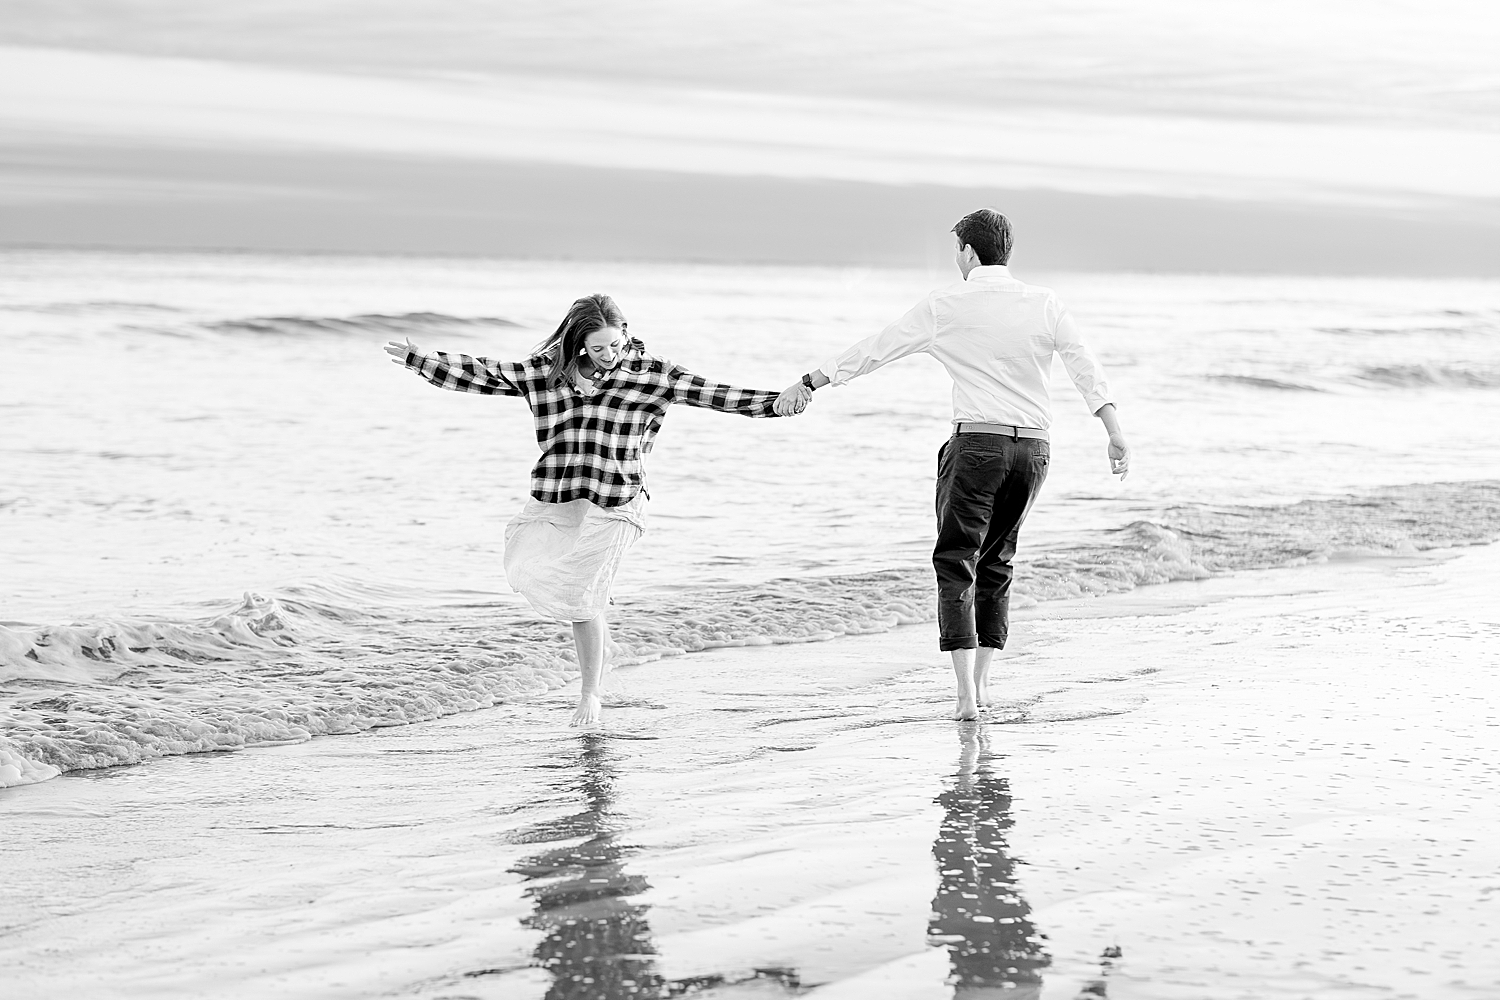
[
  {"x": 597, "y": 943},
  {"x": 978, "y": 912}
]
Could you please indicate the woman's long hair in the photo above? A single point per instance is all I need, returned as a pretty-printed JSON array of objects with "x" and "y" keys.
[{"x": 585, "y": 316}]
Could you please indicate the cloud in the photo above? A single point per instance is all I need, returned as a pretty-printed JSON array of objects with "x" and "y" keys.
[{"x": 60, "y": 94}]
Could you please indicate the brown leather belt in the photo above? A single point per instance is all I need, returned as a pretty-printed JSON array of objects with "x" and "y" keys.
[{"x": 1005, "y": 429}]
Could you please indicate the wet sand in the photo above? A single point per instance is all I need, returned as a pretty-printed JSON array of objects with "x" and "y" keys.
[{"x": 1268, "y": 785}]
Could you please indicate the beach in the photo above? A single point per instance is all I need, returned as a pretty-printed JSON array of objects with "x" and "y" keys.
[
  {"x": 273, "y": 724},
  {"x": 1240, "y": 787}
]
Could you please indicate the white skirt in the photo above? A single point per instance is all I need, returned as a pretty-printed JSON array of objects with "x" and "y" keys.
[{"x": 562, "y": 557}]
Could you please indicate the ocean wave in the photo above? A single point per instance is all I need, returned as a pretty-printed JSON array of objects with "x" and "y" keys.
[
  {"x": 272, "y": 669},
  {"x": 320, "y": 660},
  {"x": 1427, "y": 376},
  {"x": 1480, "y": 327},
  {"x": 86, "y": 307},
  {"x": 1260, "y": 382},
  {"x": 287, "y": 667},
  {"x": 1380, "y": 377},
  {"x": 377, "y": 324}
]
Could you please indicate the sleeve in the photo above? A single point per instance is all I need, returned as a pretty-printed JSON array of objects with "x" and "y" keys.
[
  {"x": 462, "y": 373},
  {"x": 910, "y": 334},
  {"x": 694, "y": 390},
  {"x": 1083, "y": 368}
]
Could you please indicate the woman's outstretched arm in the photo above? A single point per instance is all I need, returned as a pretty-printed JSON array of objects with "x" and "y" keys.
[
  {"x": 459, "y": 372},
  {"x": 694, "y": 390}
]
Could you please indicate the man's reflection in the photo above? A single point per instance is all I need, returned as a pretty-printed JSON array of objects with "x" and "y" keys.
[
  {"x": 978, "y": 913},
  {"x": 597, "y": 943}
]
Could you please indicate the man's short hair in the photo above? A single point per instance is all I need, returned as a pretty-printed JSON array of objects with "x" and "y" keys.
[{"x": 988, "y": 232}]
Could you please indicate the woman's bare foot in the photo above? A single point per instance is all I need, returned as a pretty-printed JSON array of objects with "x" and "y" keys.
[
  {"x": 589, "y": 639},
  {"x": 587, "y": 713},
  {"x": 982, "y": 692},
  {"x": 965, "y": 710}
]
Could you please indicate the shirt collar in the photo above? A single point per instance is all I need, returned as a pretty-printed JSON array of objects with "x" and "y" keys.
[{"x": 989, "y": 271}]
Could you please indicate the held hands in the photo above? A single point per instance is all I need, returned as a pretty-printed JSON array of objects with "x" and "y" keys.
[
  {"x": 397, "y": 350},
  {"x": 1119, "y": 456},
  {"x": 793, "y": 399}
]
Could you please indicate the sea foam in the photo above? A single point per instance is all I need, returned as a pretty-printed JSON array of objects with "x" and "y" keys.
[{"x": 341, "y": 658}]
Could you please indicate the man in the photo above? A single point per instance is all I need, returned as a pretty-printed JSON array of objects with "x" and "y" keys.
[{"x": 996, "y": 336}]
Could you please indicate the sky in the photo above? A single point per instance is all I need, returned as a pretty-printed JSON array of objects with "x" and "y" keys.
[{"x": 1319, "y": 136}]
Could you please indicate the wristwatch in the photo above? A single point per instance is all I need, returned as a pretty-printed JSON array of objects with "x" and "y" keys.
[{"x": 807, "y": 381}]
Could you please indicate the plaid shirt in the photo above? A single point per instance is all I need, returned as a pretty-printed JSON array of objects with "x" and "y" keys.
[{"x": 592, "y": 443}]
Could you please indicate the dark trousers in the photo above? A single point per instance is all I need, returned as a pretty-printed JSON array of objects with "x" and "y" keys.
[{"x": 986, "y": 485}]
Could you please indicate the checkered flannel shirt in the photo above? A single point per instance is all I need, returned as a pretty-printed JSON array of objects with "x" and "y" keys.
[{"x": 591, "y": 443}]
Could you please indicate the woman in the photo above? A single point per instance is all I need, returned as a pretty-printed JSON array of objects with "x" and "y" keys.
[{"x": 597, "y": 399}]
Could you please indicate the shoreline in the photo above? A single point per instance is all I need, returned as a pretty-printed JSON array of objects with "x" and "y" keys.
[{"x": 1278, "y": 790}]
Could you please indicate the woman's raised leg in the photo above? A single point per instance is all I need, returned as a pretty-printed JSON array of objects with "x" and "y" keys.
[{"x": 589, "y": 639}]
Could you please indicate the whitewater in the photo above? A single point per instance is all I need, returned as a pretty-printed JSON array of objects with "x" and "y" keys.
[{"x": 226, "y": 521}]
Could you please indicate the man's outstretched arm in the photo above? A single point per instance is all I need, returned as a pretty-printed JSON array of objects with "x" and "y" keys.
[{"x": 911, "y": 333}]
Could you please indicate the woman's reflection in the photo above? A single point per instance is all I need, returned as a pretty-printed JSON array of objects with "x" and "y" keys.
[
  {"x": 597, "y": 942},
  {"x": 978, "y": 912}
]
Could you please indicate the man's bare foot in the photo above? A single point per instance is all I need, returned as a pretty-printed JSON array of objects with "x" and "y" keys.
[
  {"x": 983, "y": 657},
  {"x": 587, "y": 713},
  {"x": 965, "y": 710}
]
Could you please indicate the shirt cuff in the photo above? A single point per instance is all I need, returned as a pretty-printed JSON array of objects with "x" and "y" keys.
[{"x": 833, "y": 373}]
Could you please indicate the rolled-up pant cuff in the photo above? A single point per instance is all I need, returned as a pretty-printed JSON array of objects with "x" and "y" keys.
[
  {"x": 946, "y": 643},
  {"x": 992, "y": 640}
]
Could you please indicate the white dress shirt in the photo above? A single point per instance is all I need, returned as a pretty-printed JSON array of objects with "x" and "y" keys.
[{"x": 996, "y": 336}]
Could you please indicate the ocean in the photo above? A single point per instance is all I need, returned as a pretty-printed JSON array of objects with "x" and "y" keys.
[{"x": 227, "y": 521}]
